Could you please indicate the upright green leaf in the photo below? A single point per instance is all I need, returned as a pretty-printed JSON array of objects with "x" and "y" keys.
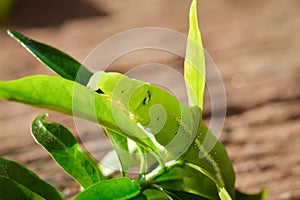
[
  {"x": 114, "y": 189},
  {"x": 16, "y": 180},
  {"x": 68, "y": 97},
  {"x": 58, "y": 61},
  {"x": 64, "y": 149},
  {"x": 194, "y": 65}
]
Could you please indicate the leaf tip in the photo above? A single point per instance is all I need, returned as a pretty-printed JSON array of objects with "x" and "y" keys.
[
  {"x": 16, "y": 35},
  {"x": 38, "y": 119},
  {"x": 10, "y": 32},
  {"x": 264, "y": 193},
  {"x": 42, "y": 116}
]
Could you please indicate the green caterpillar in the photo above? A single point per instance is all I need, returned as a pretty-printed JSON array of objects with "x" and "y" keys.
[
  {"x": 165, "y": 117},
  {"x": 148, "y": 105}
]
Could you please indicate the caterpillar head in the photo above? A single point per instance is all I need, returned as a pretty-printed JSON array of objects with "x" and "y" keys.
[{"x": 131, "y": 93}]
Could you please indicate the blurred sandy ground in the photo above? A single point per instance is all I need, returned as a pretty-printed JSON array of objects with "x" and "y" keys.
[{"x": 254, "y": 43}]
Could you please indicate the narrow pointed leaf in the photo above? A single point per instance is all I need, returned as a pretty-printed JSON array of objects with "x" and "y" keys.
[
  {"x": 117, "y": 189},
  {"x": 23, "y": 182},
  {"x": 58, "y": 61},
  {"x": 64, "y": 149},
  {"x": 68, "y": 97},
  {"x": 194, "y": 65}
]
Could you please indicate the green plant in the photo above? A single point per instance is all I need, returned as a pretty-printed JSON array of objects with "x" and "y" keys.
[{"x": 188, "y": 176}]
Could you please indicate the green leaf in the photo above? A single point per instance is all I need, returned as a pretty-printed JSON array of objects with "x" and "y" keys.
[
  {"x": 53, "y": 58},
  {"x": 114, "y": 189},
  {"x": 243, "y": 196},
  {"x": 110, "y": 163},
  {"x": 58, "y": 61},
  {"x": 194, "y": 65},
  {"x": 12, "y": 190},
  {"x": 185, "y": 179},
  {"x": 212, "y": 169},
  {"x": 205, "y": 163},
  {"x": 210, "y": 155},
  {"x": 64, "y": 149},
  {"x": 139, "y": 197},
  {"x": 127, "y": 157},
  {"x": 223, "y": 194},
  {"x": 120, "y": 145},
  {"x": 17, "y": 180},
  {"x": 68, "y": 97},
  {"x": 143, "y": 164},
  {"x": 153, "y": 194},
  {"x": 184, "y": 195}
]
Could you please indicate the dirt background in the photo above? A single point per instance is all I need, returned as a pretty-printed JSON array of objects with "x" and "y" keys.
[{"x": 254, "y": 43}]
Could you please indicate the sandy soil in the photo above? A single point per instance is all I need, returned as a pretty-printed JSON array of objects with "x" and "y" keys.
[{"x": 255, "y": 45}]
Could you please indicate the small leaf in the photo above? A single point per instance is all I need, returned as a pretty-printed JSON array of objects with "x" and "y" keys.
[
  {"x": 152, "y": 194},
  {"x": 143, "y": 164},
  {"x": 110, "y": 162},
  {"x": 184, "y": 195},
  {"x": 21, "y": 180},
  {"x": 214, "y": 168},
  {"x": 194, "y": 65},
  {"x": 185, "y": 179},
  {"x": 209, "y": 154},
  {"x": 12, "y": 190},
  {"x": 58, "y": 61},
  {"x": 64, "y": 149},
  {"x": 259, "y": 196},
  {"x": 120, "y": 145},
  {"x": 116, "y": 189},
  {"x": 139, "y": 197},
  {"x": 223, "y": 194},
  {"x": 128, "y": 157}
]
